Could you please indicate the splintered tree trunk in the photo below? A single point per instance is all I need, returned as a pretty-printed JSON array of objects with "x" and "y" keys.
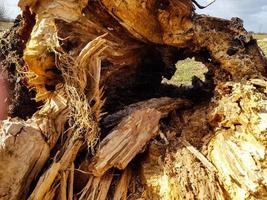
[{"x": 89, "y": 116}]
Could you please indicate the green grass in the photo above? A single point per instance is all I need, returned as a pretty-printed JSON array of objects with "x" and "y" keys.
[
  {"x": 262, "y": 41},
  {"x": 259, "y": 36},
  {"x": 4, "y": 26},
  {"x": 186, "y": 69}
]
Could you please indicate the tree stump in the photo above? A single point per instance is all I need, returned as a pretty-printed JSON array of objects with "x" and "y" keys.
[{"x": 102, "y": 125}]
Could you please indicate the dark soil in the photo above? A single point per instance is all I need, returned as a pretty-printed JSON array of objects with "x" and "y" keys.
[{"x": 21, "y": 103}]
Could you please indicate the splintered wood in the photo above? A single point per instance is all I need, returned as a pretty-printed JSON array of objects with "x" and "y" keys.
[
  {"x": 122, "y": 187},
  {"x": 126, "y": 141},
  {"x": 25, "y": 147},
  {"x": 109, "y": 128},
  {"x": 238, "y": 150},
  {"x": 97, "y": 187},
  {"x": 173, "y": 172},
  {"x": 164, "y": 105}
]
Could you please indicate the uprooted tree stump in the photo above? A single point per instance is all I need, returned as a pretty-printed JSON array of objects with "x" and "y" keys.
[{"x": 102, "y": 124}]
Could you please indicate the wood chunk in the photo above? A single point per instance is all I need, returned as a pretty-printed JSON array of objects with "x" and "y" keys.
[
  {"x": 97, "y": 187},
  {"x": 23, "y": 153},
  {"x": 163, "y": 104},
  {"x": 122, "y": 187},
  {"x": 126, "y": 140},
  {"x": 25, "y": 147}
]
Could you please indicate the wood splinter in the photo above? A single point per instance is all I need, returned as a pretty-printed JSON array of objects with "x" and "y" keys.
[
  {"x": 97, "y": 187},
  {"x": 122, "y": 187},
  {"x": 126, "y": 141}
]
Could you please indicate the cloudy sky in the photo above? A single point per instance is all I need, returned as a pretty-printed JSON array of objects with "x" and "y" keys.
[
  {"x": 253, "y": 12},
  {"x": 10, "y": 7}
]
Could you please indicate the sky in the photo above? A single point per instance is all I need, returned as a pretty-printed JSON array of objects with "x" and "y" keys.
[
  {"x": 253, "y": 12},
  {"x": 11, "y": 7}
]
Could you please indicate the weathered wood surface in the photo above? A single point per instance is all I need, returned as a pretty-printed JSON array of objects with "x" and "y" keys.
[
  {"x": 223, "y": 155},
  {"x": 164, "y": 105},
  {"x": 126, "y": 141},
  {"x": 177, "y": 175},
  {"x": 122, "y": 187},
  {"x": 26, "y": 145},
  {"x": 97, "y": 187},
  {"x": 164, "y": 17},
  {"x": 238, "y": 148}
]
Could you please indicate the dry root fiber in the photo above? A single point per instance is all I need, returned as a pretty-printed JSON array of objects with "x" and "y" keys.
[{"x": 140, "y": 143}]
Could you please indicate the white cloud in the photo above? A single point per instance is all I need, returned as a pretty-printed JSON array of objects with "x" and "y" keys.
[{"x": 253, "y": 12}]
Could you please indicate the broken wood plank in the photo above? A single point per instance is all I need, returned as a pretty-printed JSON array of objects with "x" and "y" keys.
[{"x": 126, "y": 141}]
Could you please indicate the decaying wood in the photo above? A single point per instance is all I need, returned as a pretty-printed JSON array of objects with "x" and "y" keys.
[
  {"x": 126, "y": 141},
  {"x": 83, "y": 127},
  {"x": 122, "y": 187},
  {"x": 63, "y": 186},
  {"x": 177, "y": 174},
  {"x": 199, "y": 156},
  {"x": 157, "y": 13},
  {"x": 26, "y": 146},
  {"x": 97, "y": 187},
  {"x": 163, "y": 105},
  {"x": 179, "y": 28},
  {"x": 47, "y": 183},
  {"x": 228, "y": 128},
  {"x": 71, "y": 182},
  {"x": 241, "y": 131},
  {"x": 82, "y": 52},
  {"x": 19, "y": 102}
]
